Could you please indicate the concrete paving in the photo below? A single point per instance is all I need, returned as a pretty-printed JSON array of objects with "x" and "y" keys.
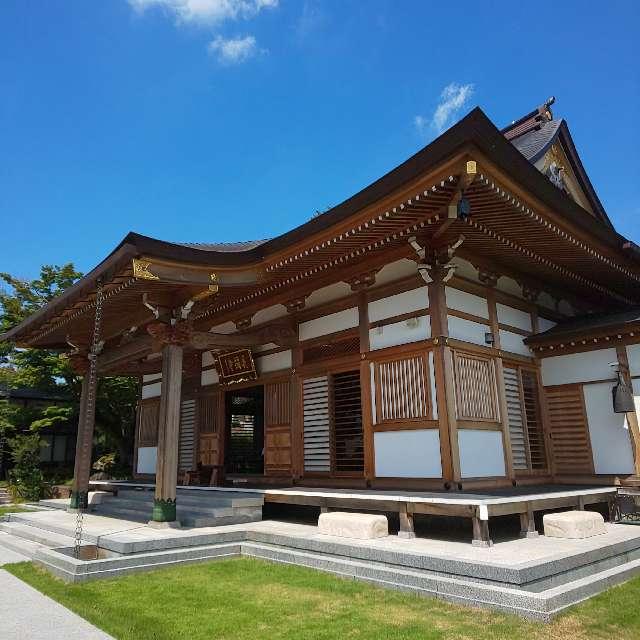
[{"x": 26, "y": 614}]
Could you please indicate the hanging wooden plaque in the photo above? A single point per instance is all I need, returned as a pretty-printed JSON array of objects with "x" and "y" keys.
[{"x": 236, "y": 366}]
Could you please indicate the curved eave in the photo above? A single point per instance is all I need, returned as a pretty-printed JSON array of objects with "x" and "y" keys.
[{"x": 474, "y": 130}]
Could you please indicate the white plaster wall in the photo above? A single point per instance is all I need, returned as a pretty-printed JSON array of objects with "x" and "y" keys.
[
  {"x": 509, "y": 285},
  {"x": 209, "y": 377},
  {"x": 514, "y": 317},
  {"x": 396, "y": 271},
  {"x": 339, "y": 321},
  {"x": 270, "y": 313},
  {"x": 404, "y": 332},
  {"x": 265, "y": 347},
  {"x": 609, "y": 431},
  {"x": 151, "y": 390},
  {"x": 546, "y": 300},
  {"x": 633, "y": 354},
  {"x": 147, "y": 457},
  {"x": 225, "y": 327},
  {"x": 544, "y": 324},
  {"x": 274, "y": 362},
  {"x": 151, "y": 377},
  {"x": 328, "y": 294},
  {"x": 635, "y": 383},
  {"x": 578, "y": 367},
  {"x": 481, "y": 453},
  {"x": 463, "y": 301},
  {"x": 405, "y": 302},
  {"x": 467, "y": 330},
  {"x": 408, "y": 454},
  {"x": 514, "y": 343},
  {"x": 207, "y": 358},
  {"x": 464, "y": 269}
]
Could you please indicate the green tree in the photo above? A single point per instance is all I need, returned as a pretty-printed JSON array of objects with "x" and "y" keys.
[{"x": 50, "y": 371}]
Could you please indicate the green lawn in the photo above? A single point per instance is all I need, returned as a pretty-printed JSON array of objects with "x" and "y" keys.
[
  {"x": 4, "y": 510},
  {"x": 249, "y": 599}
]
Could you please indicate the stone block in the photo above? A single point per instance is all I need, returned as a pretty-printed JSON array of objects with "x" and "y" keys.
[
  {"x": 363, "y": 526},
  {"x": 573, "y": 524}
]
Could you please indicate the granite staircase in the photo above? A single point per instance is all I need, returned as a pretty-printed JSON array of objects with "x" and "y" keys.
[{"x": 195, "y": 508}]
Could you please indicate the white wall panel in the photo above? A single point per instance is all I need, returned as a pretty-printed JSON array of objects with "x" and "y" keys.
[
  {"x": 408, "y": 454},
  {"x": 481, "y": 453},
  {"x": 467, "y": 302},
  {"x": 209, "y": 377},
  {"x": 545, "y": 325},
  {"x": 396, "y": 305},
  {"x": 207, "y": 358},
  {"x": 405, "y": 332},
  {"x": 151, "y": 377},
  {"x": 396, "y": 271},
  {"x": 464, "y": 269},
  {"x": 274, "y": 362},
  {"x": 514, "y": 317},
  {"x": 328, "y": 294},
  {"x": 151, "y": 390},
  {"x": 339, "y": 321},
  {"x": 467, "y": 330},
  {"x": 270, "y": 313},
  {"x": 509, "y": 285},
  {"x": 578, "y": 367},
  {"x": 226, "y": 328},
  {"x": 609, "y": 431},
  {"x": 265, "y": 347},
  {"x": 514, "y": 343},
  {"x": 636, "y": 394},
  {"x": 546, "y": 300},
  {"x": 147, "y": 457},
  {"x": 633, "y": 354}
]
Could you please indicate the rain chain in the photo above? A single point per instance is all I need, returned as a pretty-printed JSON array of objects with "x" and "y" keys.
[{"x": 90, "y": 404}]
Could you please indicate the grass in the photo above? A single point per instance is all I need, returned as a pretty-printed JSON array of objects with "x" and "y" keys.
[
  {"x": 13, "y": 509},
  {"x": 246, "y": 599}
]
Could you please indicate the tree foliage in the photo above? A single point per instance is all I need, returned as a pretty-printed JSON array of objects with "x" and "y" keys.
[{"x": 50, "y": 371}]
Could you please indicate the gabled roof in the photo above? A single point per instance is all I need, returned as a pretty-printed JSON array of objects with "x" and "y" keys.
[{"x": 534, "y": 134}]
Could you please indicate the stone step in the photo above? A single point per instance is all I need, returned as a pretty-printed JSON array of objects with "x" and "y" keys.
[
  {"x": 24, "y": 547},
  {"x": 62, "y": 530},
  {"x": 185, "y": 496},
  {"x": 145, "y": 506},
  {"x": 35, "y": 534},
  {"x": 535, "y": 605}
]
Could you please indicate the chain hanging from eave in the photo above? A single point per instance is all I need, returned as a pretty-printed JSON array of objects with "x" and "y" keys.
[{"x": 91, "y": 401}]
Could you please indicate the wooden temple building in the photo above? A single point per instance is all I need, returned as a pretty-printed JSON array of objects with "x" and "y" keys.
[{"x": 470, "y": 320}]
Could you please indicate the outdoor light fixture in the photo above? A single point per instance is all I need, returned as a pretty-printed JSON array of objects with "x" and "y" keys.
[
  {"x": 621, "y": 393},
  {"x": 464, "y": 208},
  {"x": 488, "y": 338}
]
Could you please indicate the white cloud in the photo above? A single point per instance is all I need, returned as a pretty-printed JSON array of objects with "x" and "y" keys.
[
  {"x": 233, "y": 50},
  {"x": 206, "y": 12},
  {"x": 453, "y": 98}
]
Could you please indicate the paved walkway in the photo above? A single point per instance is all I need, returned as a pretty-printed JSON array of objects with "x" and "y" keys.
[{"x": 26, "y": 614}]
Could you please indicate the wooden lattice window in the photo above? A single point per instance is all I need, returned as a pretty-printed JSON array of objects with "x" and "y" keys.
[
  {"x": 209, "y": 413},
  {"x": 403, "y": 390},
  {"x": 277, "y": 410},
  {"x": 526, "y": 434},
  {"x": 569, "y": 429},
  {"x": 335, "y": 348},
  {"x": 348, "y": 439},
  {"x": 333, "y": 438},
  {"x": 149, "y": 415},
  {"x": 476, "y": 388}
]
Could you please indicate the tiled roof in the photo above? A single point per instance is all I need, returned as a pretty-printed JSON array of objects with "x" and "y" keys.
[
  {"x": 225, "y": 247},
  {"x": 535, "y": 142}
]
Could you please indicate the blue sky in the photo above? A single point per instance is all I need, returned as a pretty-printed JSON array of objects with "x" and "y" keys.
[{"x": 219, "y": 120}]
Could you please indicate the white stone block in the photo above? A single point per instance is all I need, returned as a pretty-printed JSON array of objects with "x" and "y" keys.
[
  {"x": 573, "y": 524},
  {"x": 364, "y": 526},
  {"x": 98, "y": 497}
]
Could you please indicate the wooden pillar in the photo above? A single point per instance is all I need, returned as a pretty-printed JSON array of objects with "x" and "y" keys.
[
  {"x": 84, "y": 442},
  {"x": 502, "y": 396},
  {"x": 632, "y": 416},
  {"x": 164, "y": 506},
  {"x": 445, "y": 379},
  {"x": 365, "y": 386}
]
